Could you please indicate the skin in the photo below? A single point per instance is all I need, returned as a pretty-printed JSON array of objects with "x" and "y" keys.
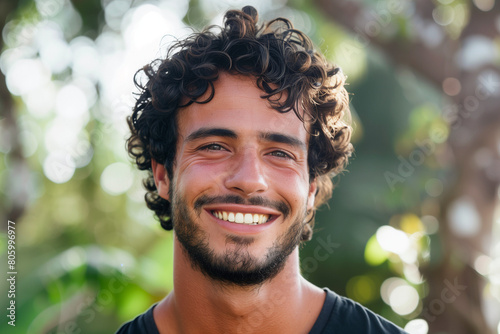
[{"x": 248, "y": 163}]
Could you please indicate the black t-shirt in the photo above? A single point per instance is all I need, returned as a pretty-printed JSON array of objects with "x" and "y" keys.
[{"x": 339, "y": 315}]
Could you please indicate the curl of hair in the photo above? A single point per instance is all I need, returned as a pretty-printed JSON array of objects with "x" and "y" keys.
[{"x": 291, "y": 74}]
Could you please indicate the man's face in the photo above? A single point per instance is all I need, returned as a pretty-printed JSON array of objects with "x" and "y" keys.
[{"x": 240, "y": 188}]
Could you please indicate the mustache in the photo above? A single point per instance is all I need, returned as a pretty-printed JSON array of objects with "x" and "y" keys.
[{"x": 235, "y": 199}]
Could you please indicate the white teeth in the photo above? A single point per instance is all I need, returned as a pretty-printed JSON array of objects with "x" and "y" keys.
[
  {"x": 241, "y": 218},
  {"x": 248, "y": 218}
]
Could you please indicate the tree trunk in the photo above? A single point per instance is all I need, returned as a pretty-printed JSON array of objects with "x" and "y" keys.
[
  {"x": 17, "y": 185},
  {"x": 454, "y": 302}
]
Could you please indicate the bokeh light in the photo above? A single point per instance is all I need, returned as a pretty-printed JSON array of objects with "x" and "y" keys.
[
  {"x": 412, "y": 273},
  {"x": 477, "y": 51},
  {"x": 61, "y": 135},
  {"x": 86, "y": 59},
  {"x": 464, "y": 218},
  {"x": 114, "y": 12},
  {"x": 434, "y": 187},
  {"x": 484, "y": 5},
  {"x": 443, "y": 15},
  {"x": 482, "y": 264},
  {"x": 54, "y": 51},
  {"x": 41, "y": 102},
  {"x": 58, "y": 167},
  {"x": 392, "y": 240},
  {"x": 388, "y": 287},
  {"x": 49, "y": 8},
  {"x": 431, "y": 224},
  {"x": 374, "y": 253},
  {"x": 145, "y": 26},
  {"x": 404, "y": 299},
  {"x": 417, "y": 326},
  {"x": 451, "y": 86},
  {"x": 117, "y": 178},
  {"x": 411, "y": 224},
  {"x": 361, "y": 288},
  {"x": 29, "y": 143},
  {"x": 71, "y": 102},
  {"x": 33, "y": 69}
]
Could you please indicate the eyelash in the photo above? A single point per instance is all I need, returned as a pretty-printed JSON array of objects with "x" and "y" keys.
[
  {"x": 210, "y": 147},
  {"x": 282, "y": 154}
]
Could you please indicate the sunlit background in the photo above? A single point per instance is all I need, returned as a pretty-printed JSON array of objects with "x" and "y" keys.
[{"x": 413, "y": 228}]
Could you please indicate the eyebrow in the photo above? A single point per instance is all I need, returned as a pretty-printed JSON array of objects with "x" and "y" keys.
[
  {"x": 284, "y": 139},
  {"x": 227, "y": 133},
  {"x": 211, "y": 132}
]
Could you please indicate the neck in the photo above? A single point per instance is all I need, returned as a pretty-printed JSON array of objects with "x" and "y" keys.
[{"x": 198, "y": 304}]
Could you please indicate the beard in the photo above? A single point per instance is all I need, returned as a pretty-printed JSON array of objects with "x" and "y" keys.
[{"x": 236, "y": 266}]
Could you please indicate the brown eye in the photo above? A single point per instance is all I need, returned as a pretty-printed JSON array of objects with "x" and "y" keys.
[{"x": 212, "y": 147}]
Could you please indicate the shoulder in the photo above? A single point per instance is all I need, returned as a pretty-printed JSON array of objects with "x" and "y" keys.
[
  {"x": 143, "y": 323},
  {"x": 343, "y": 315}
]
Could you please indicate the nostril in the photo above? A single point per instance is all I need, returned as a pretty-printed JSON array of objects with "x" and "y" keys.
[{"x": 246, "y": 184}]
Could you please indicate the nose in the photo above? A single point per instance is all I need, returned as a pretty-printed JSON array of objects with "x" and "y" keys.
[{"x": 246, "y": 174}]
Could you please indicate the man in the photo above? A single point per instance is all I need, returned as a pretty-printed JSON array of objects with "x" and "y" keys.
[{"x": 241, "y": 130}]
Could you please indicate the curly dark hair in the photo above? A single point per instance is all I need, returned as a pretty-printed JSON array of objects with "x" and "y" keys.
[{"x": 290, "y": 73}]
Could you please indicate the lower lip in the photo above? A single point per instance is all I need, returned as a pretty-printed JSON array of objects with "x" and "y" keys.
[{"x": 243, "y": 228}]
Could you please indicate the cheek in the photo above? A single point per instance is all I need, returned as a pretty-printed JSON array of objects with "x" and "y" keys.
[
  {"x": 198, "y": 177},
  {"x": 293, "y": 187}
]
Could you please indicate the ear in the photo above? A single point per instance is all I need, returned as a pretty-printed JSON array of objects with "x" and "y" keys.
[
  {"x": 161, "y": 179},
  {"x": 311, "y": 196}
]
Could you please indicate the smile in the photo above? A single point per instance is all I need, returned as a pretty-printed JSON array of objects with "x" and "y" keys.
[{"x": 242, "y": 218}]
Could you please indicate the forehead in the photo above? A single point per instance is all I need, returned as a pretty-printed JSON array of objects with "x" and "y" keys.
[{"x": 237, "y": 105}]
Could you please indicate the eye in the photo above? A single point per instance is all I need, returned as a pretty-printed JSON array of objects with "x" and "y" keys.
[
  {"x": 281, "y": 154},
  {"x": 212, "y": 147}
]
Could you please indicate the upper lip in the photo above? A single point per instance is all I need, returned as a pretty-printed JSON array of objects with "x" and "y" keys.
[{"x": 242, "y": 208}]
